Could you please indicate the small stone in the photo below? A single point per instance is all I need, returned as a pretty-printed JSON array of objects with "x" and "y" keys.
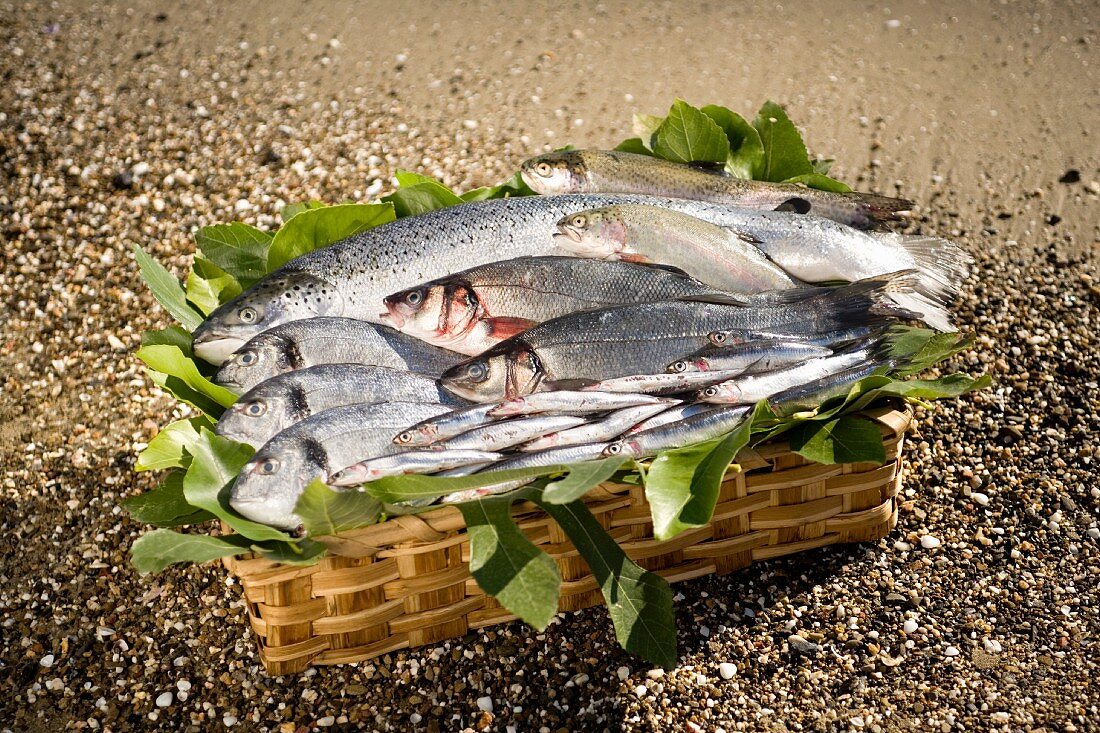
[
  {"x": 183, "y": 686},
  {"x": 802, "y": 645},
  {"x": 46, "y": 661},
  {"x": 951, "y": 651},
  {"x": 485, "y": 703},
  {"x": 140, "y": 169},
  {"x": 623, "y": 673},
  {"x": 726, "y": 670},
  {"x": 979, "y": 498},
  {"x": 415, "y": 719},
  {"x": 992, "y": 646},
  {"x": 229, "y": 720},
  {"x": 655, "y": 674},
  {"x": 641, "y": 690},
  {"x": 1071, "y": 176},
  {"x": 470, "y": 124},
  {"x": 122, "y": 181},
  {"x": 164, "y": 699},
  {"x": 242, "y": 205},
  {"x": 929, "y": 542},
  {"x": 909, "y": 626},
  {"x": 326, "y": 721}
]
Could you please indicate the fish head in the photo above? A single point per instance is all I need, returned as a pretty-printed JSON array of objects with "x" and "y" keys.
[
  {"x": 595, "y": 233},
  {"x": 261, "y": 358},
  {"x": 559, "y": 172},
  {"x": 682, "y": 366},
  {"x": 438, "y": 312},
  {"x": 506, "y": 371},
  {"x": 727, "y": 338},
  {"x": 285, "y": 296},
  {"x": 262, "y": 413},
  {"x": 720, "y": 394},
  {"x": 621, "y": 448},
  {"x": 269, "y": 486}
]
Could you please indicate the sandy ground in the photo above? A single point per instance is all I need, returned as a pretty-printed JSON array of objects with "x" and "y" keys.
[{"x": 977, "y": 111}]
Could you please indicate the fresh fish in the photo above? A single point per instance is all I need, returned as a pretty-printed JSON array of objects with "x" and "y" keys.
[
  {"x": 564, "y": 456},
  {"x": 477, "y": 308},
  {"x": 663, "y": 383},
  {"x": 826, "y": 339},
  {"x": 761, "y": 355},
  {"x": 300, "y": 344},
  {"x": 350, "y": 278},
  {"x": 448, "y": 425},
  {"x": 716, "y": 255},
  {"x": 279, "y": 402},
  {"x": 569, "y": 402},
  {"x": 679, "y": 412},
  {"x": 698, "y": 428},
  {"x": 811, "y": 395},
  {"x": 424, "y": 461},
  {"x": 500, "y": 435},
  {"x": 269, "y": 485},
  {"x": 584, "y": 348},
  {"x": 610, "y": 427},
  {"x": 612, "y": 171},
  {"x": 749, "y": 389}
]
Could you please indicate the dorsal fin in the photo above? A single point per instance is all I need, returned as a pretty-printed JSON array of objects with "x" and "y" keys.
[
  {"x": 795, "y": 205},
  {"x": 710, "y": 166}
]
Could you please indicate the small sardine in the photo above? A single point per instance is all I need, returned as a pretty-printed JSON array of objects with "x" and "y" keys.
[
  {"x": 750, "y": 357},
  {"x": 424, "y": 461},
  {"x": 830, "y": 339},
  {"x": 564, "y": 456},
  {"x": 508, "y": 433},
  {"x": 811, "y": 395},
  {"x": 679, "y": 412},
  {"x": 601, "y": 431},
  {"x": 569, "y": 402},
  {"x": 749, "y": 389},
  {"x": 664, "y": 383},
  {"x": 698, "y": 428},
  {"x": 441, "y": 427}
]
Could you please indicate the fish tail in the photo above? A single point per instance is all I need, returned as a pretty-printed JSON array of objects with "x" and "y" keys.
[
  {"x": 905, "y": 295},
  {"x": 876, "y": 209},
  {"x": 942, "y": 267}
]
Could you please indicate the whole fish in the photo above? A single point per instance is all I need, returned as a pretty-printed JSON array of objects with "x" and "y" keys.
[
  {"x": 279, "y": 402},
  {"x": 601, "y": 431},
  {"x": 351, "y": 277},
  {"x": 612, "y": 171},
  {"x": 564, "y": 456},
  {"x": 824, "y": 339},
  {"x": 747, "y": 390},
  {"x": 673, "y": 414},
  {"x": 664, "y": 383},
  {"x": 269, "y": 486},
  {"x": 761, "y": 355},
  {"x": 447, "y": 425},
  {"x": 698, "y": 428},
  {"x": 811, "y": 395},
  {"x": 508, "y": 433},
  {"x": 312, "y": 341},
  {"x": 472, "y": 310},
  {"x": 569, "y": 402},
  {"x": 584, "y": 348},
  {"x": 425, "y": 461},
  {"x": 716, "y": 255}
]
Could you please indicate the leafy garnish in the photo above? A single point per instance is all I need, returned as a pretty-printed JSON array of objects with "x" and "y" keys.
[
  {"x": 688, "y": 136},
  {"x": 166, "y": 289},
  {"x": 316, "y": 227}
]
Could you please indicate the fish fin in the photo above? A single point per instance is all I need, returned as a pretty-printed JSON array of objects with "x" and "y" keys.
[
  {"x": 502, "y": 327},
  {"x": 908, "y": 295},
  {"x": 666, "y": 268},
  {"x": 795, "y": 205},
  {"x": 941, "y": 262},
  {"x": 718, "y": 298},
  {"x": 747, "y": 238},
  {"x": 636, "y": 258},
  {"x": 710, "y": 166},
  {"x": 790, "y": 296}
]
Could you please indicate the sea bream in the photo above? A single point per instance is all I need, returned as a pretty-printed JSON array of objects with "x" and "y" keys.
[
  {"x": 477, "y": 308},
  {"x": 269, "y": 486},
  {"x": 277, "y": 403},
  {"x": 351, "y": 278},
  {"x": 613, "y": 171},
  {"x": 584, "y": 348},
  {"x": 312, "y": 341}
]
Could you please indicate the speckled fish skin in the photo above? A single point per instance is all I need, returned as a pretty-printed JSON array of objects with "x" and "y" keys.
[
  {"x": 748, "y": 389},
  {"x": 571, "y": 402},
  {"x": 600, "y": 431},
  {"x": 501, "y": 435},
  {"x": 752, "y": 356},
  {"x": 279, "y": 402},
  {"x": 613, "y": 171},
  {"x": 313, "y": 341},
  {"x": 714, "y": 255},
  {"x": 269, "y": 485},
  {"x": 400, "y": 464},
  {"x": 479, "y": 307},
  {"x": 351, "y": 277},
  {"x": 698, "y": 428},
  {"x": 644, "y": 339}
]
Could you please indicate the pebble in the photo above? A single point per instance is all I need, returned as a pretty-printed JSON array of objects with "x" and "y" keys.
[
  {"x": 46, "y": 661},
  {"x": 623, "y": 673},
  {"x": 979, "y": 498},
  {"x": 164, "y": 699},
  {"x": 229, "y": 720},
  {"x": 485, "y": 703},
  {"x": 909, "y": 626},
  {"x": 929, "y": 542},
  {"x": 726, "y": 670},
  {"x": 951, "y": 651},
  {"x": 992, "y": 646}
]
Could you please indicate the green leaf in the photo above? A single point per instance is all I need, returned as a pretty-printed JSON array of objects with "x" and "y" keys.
[
  {"x": 785, "y": 154},
  {"x": 167, "y": 290},
  {"x": 952, "y": 385},
  {"x": 208, "y": 286},
  {"x": 325, "y": 512},
  {"x": 639, "y": 602},
  {"x": 395, "y": 489},
  {"x": 290, "y": 211},
  {"x": 316, "y": 227},
  {"x": 410, "y": 178},
  {"x": 820, "y": 182},
  {"x": 633, "y": 145},
  {"x": 165, "y": 505},
  {"x": 172, "y": 362},
  {"x": 506, "y": 565},
  {"x": 916, "y": 349},
  {"x": 688, "y": 136},
  {"x": 645, "y": 127},
  {"x": 846, "y": 439},
  {"x": 514, "y": 186},
  {"x": 419, "y": 194},
  {"x": 299, "y": 552},
  {"x": 156, "y": 550},
  {"x": 215, "y": 463},
  {"x": 172, "y": 336},
  {"x": 581, "y": 478},
  {"x": 682, "y": 485},
  {"x": 168, "y": 448},
  {"x": 746, "y": 151},
  {"x": 822, "y": 165},
  {"x": 237, "y": 249}
]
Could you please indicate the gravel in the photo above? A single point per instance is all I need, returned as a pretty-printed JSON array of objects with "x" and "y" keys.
[{"x": 126, "y": 125}]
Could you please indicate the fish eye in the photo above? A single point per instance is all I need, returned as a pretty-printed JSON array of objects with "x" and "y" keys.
[
  {"x": 477, "y": 371},
  {"x": 247, "y": 315},
  {"x": 544, "y": 169},
  {"x": 718, "y": 337},
  {"x": 403, "y": 437},
  {"x": 710, "y": 392},
  {"x": 255, "y": 409},
  {"x": 247, "y": 358},
  {"x": 679, "y": 366},
  {"x": 414, "y": 298},
  {"x": 268, "y": 467},
  {"x": 579, "y": 220},
  {"x": 614, "y": 449}
]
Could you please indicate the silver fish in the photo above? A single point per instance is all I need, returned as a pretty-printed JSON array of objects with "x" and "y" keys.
[
  {"x": 811, "y": 395},
  {"x": 612, "y": 171},
  {"x": 827, "y": 339},
  {"x": 716, "y": 255},
  {"x": 673, "y": 414},
  {"x": 448, "y": 425},
  {"x": 279, "y": 402},
  {"x": 424, "y": 461},
  {"x": 569, "y": 402},
  {"x": 477, "y": 308},
  {"x": 752, "y": 356},
  {"x": 313, "y": 341},
  {"x": 749, "y": 389},
  {"x": 664, "y": 383},
  {"x": 601, "y": 431},
  {"x": 564, "y": 456},
  {"x": 498, "y": 436},
  {"x": 270, "y": 484},
  {"x": 698, "y": 428}
]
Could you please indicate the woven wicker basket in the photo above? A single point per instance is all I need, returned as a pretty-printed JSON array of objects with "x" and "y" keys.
[{"x": 405, "y": 582}]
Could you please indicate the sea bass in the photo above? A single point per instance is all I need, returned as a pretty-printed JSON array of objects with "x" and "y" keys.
[
  {"x": 269, "y": 485},
  {"x": 612, "y": 171},
  {"x": 279, "y": 402},
  {"x": 472, "y": 310},
  {"x": 312, "y": 341}
]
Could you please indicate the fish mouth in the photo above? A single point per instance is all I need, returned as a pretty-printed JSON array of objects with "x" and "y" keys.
[
  {"x": 259, "y": 509},
  {"x": 567, "y": 232},
  {"x": 392, "y": 318},
  {"x": 215, "y": 348}
]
